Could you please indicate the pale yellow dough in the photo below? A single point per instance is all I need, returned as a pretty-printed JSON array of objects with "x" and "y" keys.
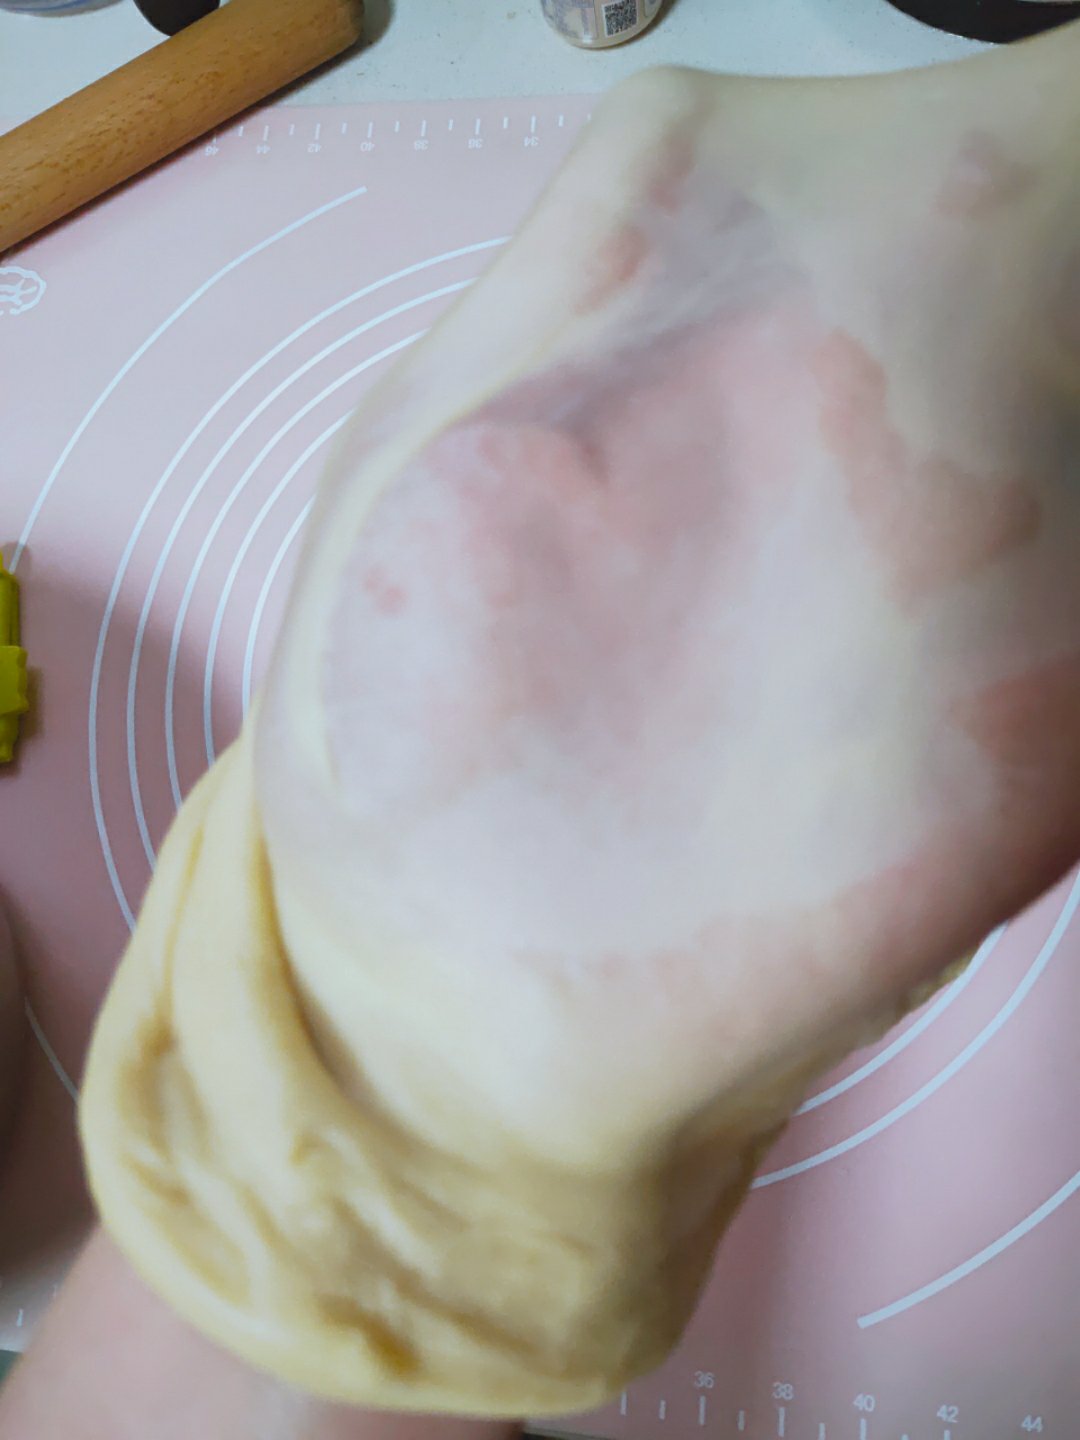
[
  {"x": 392, "y": 1159},
  {"x": 310, "y": 1234},
  {"x": 260, "y": 1186}
]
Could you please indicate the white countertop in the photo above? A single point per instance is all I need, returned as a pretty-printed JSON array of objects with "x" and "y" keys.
[{"x": 450, "y": 49}]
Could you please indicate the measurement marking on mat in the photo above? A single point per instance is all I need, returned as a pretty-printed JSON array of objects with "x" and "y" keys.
[
  {"x": 397, "y": 126},
  {"x": 450, "y": 123},
  {"x": 344, "y": 127},
  {"x": 476, "y": 127},
  {"x": 532, "y": 124},
  {"x": 622, "y": 1403},
  {"x": 662, "y": 1412},
  {"x": 562, "y": 121},
  {"x": 821, "y": 1431},
  {"x": 370, "y": 128},
  {"x": 19, "y": 1320},
  {"x": 292, "y": 129},
  {"x": 506, "y": 122},
  {"x": 423, "y": 128},
  {"x": 701, "y": 1410},
  {"x": 266, "y": 133},
  {"x": 863, "y": 1427},
  {"x": 318, "y": 129},
  {"x": 240, "y": 133},
  {"x": 742, "y": 1420},
  {"x": 781, "y": 1422}
]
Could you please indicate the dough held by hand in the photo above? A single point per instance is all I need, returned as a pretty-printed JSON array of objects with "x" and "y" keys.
[{"x": 613, "y": 727}]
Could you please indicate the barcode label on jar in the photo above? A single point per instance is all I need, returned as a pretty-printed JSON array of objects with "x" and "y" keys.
[{"x": 620, "y": 16}]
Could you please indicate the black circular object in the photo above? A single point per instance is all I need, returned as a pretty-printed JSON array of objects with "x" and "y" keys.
[
  {"x": 998, "y": 21},
  {"x": 172, "y": 16}
]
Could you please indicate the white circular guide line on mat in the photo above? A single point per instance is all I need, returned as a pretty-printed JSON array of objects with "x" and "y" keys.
[
  {"x": 50, "y": 1054},
  {"x": 230, "y": 580},
  {"x": 219, "y": 615},
  {"x": 950, "y": 994},
  {"x": 125, "y": 559},
  {"x": 159, "y": 488},
  {"x": 204, "y": 549},
  {"x": 991, "y": 1252},
  {"x": 152, "y": 339},
  {"x": 932, "y": 1086},
  {"x": 211, "y": 469},
  {"x": 260, "y": 604}
]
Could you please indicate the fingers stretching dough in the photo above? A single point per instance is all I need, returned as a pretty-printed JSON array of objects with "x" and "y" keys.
[{"x": 618, "y": 751}]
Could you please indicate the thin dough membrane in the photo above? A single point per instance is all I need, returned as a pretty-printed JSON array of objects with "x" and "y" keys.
[{"x": 617, "y": 742}]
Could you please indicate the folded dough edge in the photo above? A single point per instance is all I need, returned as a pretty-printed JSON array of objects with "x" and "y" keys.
[{"x": 302, "y": 1228}]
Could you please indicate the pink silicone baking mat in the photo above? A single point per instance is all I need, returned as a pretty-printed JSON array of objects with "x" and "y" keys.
[{"x": 174, "y": 366}]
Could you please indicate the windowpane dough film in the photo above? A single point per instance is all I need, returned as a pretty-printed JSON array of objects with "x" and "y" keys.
[
  {"x": 381, "y": 1231},
  {"x": 298, "y": 1224},
  {"x": 291, "y": 1217}
]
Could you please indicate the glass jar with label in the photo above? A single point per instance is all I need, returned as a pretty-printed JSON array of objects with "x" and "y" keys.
[{"x": 594, "y": 24}]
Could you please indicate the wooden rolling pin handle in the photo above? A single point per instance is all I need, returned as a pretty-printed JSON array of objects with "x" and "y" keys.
[{"x": 159, "y": 102}]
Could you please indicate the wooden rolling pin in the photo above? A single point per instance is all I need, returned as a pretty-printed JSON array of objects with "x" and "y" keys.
[{"x": 182, "y": 88}]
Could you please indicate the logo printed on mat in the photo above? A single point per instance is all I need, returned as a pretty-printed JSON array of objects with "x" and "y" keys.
[{"x": 19, "y": 289}]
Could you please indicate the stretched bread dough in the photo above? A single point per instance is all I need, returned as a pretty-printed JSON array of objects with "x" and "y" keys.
[{"x": 655, "y": 713}]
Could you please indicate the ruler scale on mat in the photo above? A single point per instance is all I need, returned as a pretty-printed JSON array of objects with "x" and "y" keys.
[{"x": 176, "y": 365}]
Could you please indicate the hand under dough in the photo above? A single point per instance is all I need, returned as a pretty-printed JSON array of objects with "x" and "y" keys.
[
  {"x": 684, "y": 667},
  {"x": 146, "y": 1375}
]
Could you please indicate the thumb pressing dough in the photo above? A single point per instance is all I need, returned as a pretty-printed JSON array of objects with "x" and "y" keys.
[{"x": 642, "y": 735}]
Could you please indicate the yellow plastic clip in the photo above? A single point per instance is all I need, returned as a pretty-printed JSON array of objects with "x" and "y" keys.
[{"x": 14, "y": 700}]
